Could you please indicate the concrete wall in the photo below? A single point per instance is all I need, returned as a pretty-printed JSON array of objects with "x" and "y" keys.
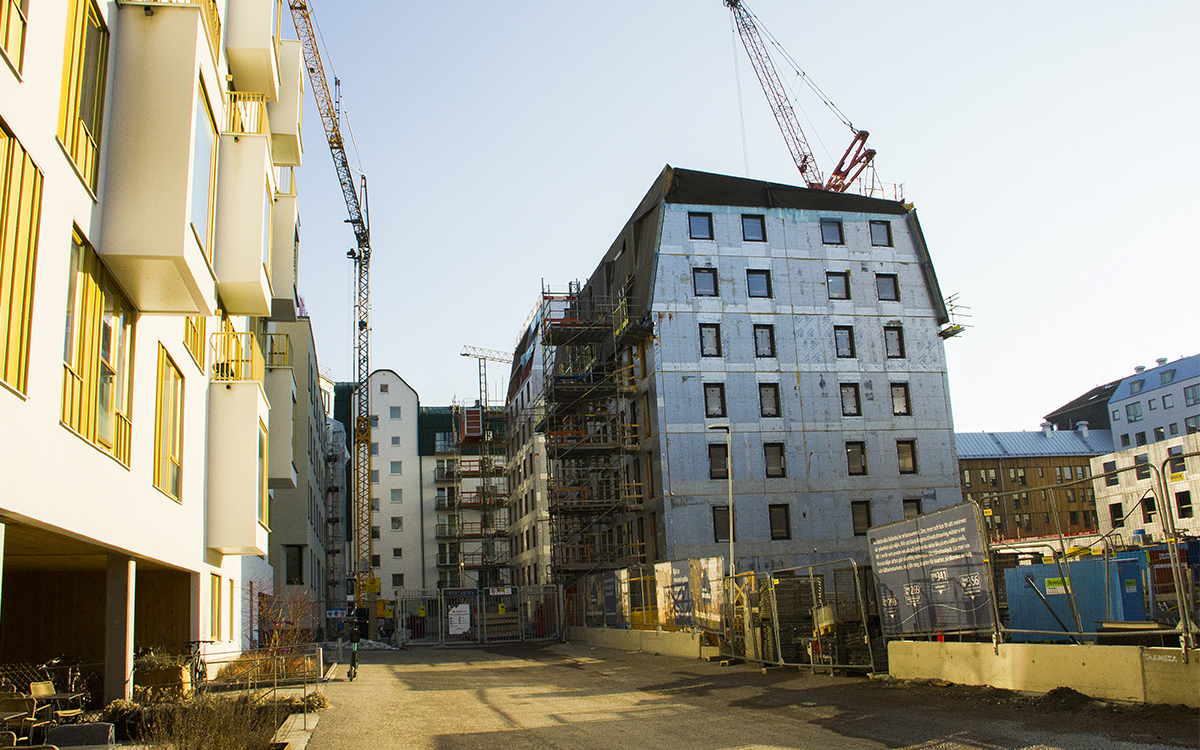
[
  {"x": 649, "y": 641},
  {"x": 1126, "y": 673}
]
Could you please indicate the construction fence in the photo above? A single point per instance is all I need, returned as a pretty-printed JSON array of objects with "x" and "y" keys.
[{"x": 497, "y": 614}]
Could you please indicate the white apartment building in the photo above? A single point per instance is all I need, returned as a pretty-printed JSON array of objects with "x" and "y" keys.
[
  {"x": 1156, "y": 404},
  {"x": 147, "y": 237},
  {"x": 1131, "y": 503},
  {"x": 529, "y": 511}
]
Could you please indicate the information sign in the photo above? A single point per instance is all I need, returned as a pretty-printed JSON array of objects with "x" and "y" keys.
[{"x": 460, "y": 619}]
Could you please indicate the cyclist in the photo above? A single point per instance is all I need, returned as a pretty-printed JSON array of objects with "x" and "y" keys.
[{"x": 354, "y": 638}]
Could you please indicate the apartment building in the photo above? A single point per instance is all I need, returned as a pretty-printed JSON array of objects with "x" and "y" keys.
[
  {"x": 147, "y": 239},
  {"x": 791, "y": 334},
  {"x": 336, "y": 496},
  {"x": 1130, "y": 495},
  {"x": 1023, "y": 480},
  {"x": 1157, "y": 404},
  {"x": 528, "y": 506}
]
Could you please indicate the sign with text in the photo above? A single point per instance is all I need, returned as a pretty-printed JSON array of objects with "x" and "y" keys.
[{"x": 932, "y": 573}]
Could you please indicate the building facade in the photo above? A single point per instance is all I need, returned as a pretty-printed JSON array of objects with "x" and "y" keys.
[
  {"x": 1023, "y": 480},
  {"x": 528, "y": 507},
  {"x": 792, "y": 334},
  {"x": 1157, "y": 404},
  {"x": 147, "y": 240},
  {"x": 1130, "y": 497}
]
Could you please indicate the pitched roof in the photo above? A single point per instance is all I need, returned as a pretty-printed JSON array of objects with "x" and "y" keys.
[
  {"x": 1030, "y": 444},
  {"x": 1185, "y": 368}
]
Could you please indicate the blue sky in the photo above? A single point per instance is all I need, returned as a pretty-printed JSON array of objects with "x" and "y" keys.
[{"x": 1047, "y": 147}]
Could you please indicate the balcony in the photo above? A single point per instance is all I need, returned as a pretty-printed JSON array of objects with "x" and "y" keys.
[
  {"x": 281, "y": 394},
  {"x": 238, "y": 454},
  {"x": 252, "y": 47},
  {"x": 284, "y": 218},
  {"x": 245, "y": 205},
  {"x": 287, "y": 113},
  {"x": 147, "y": 236},
  {"x": 236, "y": 356}
]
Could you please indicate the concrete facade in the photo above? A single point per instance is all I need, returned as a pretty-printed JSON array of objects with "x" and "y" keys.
[
  {"x": 1130, "y": 502},
  {"x": 529, "y": 510},
  {"x": 1156, "y": 404}
]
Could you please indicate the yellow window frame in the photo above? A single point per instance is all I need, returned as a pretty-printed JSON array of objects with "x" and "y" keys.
[
  {"x": 81, "y": 106},
  {"x": 13, "y": 19},
  {"x": 205, "y": 106},
  {"x": 20, "y": 219},
  {"x": 168, "y": 427}
]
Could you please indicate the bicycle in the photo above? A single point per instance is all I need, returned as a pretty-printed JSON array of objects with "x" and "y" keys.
[
  {"x": 353, "y": 672},
  {"x": 198, "y": 668}
]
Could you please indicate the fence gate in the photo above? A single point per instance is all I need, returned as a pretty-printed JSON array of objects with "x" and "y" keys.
[
  {"x": 419, "y": 615},
  {"x": 501, "y": 614},
  {"x": 541, "y": 613},
  {"x": 460, "y": 621}
]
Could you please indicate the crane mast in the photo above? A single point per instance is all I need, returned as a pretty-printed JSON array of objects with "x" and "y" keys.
[
  {"x": 327, "y": 105},
  {"x": 857, "y": 156}
]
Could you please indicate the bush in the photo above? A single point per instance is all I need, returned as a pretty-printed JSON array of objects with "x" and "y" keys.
[{"x": 207, "y": 722}]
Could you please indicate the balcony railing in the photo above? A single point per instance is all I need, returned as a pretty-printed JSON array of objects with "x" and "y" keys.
[
  {"x": 236, "y": 356},
  {"x": 279, "y": 350},
  {"x": 79, "y": 414},
  {"x": 246, "y": 114}
]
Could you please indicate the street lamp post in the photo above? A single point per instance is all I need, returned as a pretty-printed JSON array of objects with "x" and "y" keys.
[{"x": 729, "y": 482}]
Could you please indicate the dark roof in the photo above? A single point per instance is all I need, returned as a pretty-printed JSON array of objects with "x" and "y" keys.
[{"x": 705, "y": 188}]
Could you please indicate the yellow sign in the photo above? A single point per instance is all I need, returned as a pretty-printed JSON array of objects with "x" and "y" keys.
[
  {"x": 987, "y": 511},
  {"x": 420, "y": 611},
  {"x": 371, "y": 586},
  {"x": 501, "y": 609},
  {"x": 1178, "y": 476}
]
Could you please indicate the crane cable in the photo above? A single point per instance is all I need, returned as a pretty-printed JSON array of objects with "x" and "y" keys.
[
  {"x": 333, "y": 69},
  {"x": 737, "y": 77}
]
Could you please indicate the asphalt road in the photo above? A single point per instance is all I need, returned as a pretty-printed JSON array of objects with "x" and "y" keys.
[{"x": 577, "y": 696}]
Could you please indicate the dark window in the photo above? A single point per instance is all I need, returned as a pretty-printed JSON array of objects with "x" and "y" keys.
[
  {"x": 758, "y": 283},
  {"x": 1133, "y": 412},
  {"x": 912, "y": 507},
  {"x": 398, "y": 580},
  {"x": 710, "y": 340},
  {"x": 843, "y": 341},
  {"x": 893, "y": 342},
  {"x": 1183, "y": 504},
  {"x": 768, "y": 399},
  {"x": 714, "y": 399},
  {"x": 1073, "y": 517},
  {"x": 856, "y": 457},
  {"x": 839, "y": 284},
  {"x": 1114, "y": 479},
  {"x": 764, "y": 341},
  {"x": 700, "y": 226},
  {"x": 1191, "y": 395},
  {"x": 1116, "y": 515},
  {"x": 860, "y": 516},
  {"x": 1168, "y": 401},
  {"x": 781, "y": 522},
  {"x": 881, "y": 233},
  {"x": 721, "y": 524},
  {"x": 1159, "y": 434},
  {"x": 1173, "y": 428},
  {"x": 887, "y": 286},
  {"x": 754, "y": 228},
  {"x": 831, "y": 232},
  {"x": 851, "y": 403},
  {"x": 293, "y": 558},
  {"x": 906, "y": 452},
  {"x": 1191, "y": 424},
  {"x": 1125, "y": 441},
  {"x": 704, "y": 282},
  {"x": 1148, "y": 509},
  {"x": 1139, "y": 438},
  {"x": 1136, "y": 386},
  {"x": 1166, "y": 376},
  {"x": 1176, "y": 455},
  {"x": 1142, "y": 463},
  {"x": 901, "y": 405},
  {"x": 718, "y": 466},
  {"x": 773, "y": 454}
]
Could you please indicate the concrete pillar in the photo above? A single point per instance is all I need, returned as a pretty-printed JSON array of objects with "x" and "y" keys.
[{"x": 118, "y": 638}]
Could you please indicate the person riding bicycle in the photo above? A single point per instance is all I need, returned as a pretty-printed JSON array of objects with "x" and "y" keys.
[{"x": 354, "y": 639}]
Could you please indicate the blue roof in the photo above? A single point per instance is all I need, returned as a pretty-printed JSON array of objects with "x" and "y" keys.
[
  {"x": 1186, "y": 368},
  {"x": 1030, "y": 444}
]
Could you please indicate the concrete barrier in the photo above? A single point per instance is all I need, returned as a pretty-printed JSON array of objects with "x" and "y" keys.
[
  {"x": 649, "y": 641},
  {"x": 1126, "y": 673}
]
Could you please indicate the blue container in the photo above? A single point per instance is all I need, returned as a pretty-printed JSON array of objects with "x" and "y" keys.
[{"x": 1026, "y": 611}]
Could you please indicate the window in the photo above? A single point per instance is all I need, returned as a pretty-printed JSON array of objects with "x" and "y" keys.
[
  {"x": 901, "y": 405},
  {"x": 264, "y": 499},
  {"x": 21, "y": 207},
  {"x": 887, "y": 286},
  {"x": 843, "y": 341},
  {"x": 704, "y": 282},
  {"x": 374, "y": 420},
  {"x": 1183, "y": 504},
  {"x": 912, "y": 508},
  {"x": 1168, "y": 401},
  {"x": 1191, "y": 395},
  {"x": 1149, "y": 509},
  {"x": 906, "y": 453},
  {"x": 374, "y": 449},
  {"x": 1133, "y": 412},
  {"x": 720, "y": 515},
  {"x": 700, "y": 226},
  {"x": 1021, "y": 479},
  {"x": 395, "y": 440},
  {"x": 374, "y": 503},
  {"x": 856, "y": 458},
  {"x": 1152, "y": 403},
  {"x": 1191, "y": 425},
  {"x": 1116, "y": 415},
  {"x": 395, "y": 467},
  {"x": 754, "y": 228},
  {"x": 168, "y": 427},
  {"x": 1166, "y": 376},
  {"x": 710, "y": 340},
  {"x": 97, "y": 354},
  {"x": 881, "y": 233},
  {"x": 1176, "y": 455},
  {"x": 768, "y": 399},
  {"x": 764, "y": 341},
  {"x": 83, "y": 88},
  {"x": 204, "y": 167},
  {"x": 374, "y": 476},
  {"x": 374, "y": 532},
  {"x": 394, "y": 412},
  {"x": 758, "y": 283},
  {"x": 893, "y": 342},
  {"x": 1173, "y": 428},
  {"x": 718, "y": 457},
  {"x": 831, "y": 232},
  {"x": 1159, "y": 434},
  {"x": 714, "y": 399},
  {"x": 397, "y": 580},
  {"x": 397, "y": 523},
  {"x": 851, "y": 403},
  {"x": 781, "y": 523},
  {"x": 1111, "y": 479},
  {"x": 773, "y": 455},
  {"x": 293, "y": 555},
  {"x": 396, "y": 496},
  {"x": 442, "y": 442},
  {"x": 12, "y": 30},
  {"x": 1125, "y": 441},
  {"x": 1142, "y": 463},
  {"x": 397, "y": 552},
  {"x": 860, "y": 516},
  {"x": 838, "y": 283},
  {"x": 1140, "y": 438},
  {"x": 1136, "y": 386},
  {"x": 1116, "y": 514},
  {"x": 214, "y": 606},
  {"x": 374, "y": 561}
]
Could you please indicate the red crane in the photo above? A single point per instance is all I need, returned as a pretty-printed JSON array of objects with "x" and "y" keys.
[{"x": 857, "y": 156}]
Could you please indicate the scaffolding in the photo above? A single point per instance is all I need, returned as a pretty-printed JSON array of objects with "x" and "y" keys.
[
  {"x": 477, "y": 540},
  {"x": 588, "y": 406}
]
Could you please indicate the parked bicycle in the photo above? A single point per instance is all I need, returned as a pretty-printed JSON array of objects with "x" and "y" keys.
[
  {"x": 354, "y": 638},
  {"x": 198, "y": 667}
]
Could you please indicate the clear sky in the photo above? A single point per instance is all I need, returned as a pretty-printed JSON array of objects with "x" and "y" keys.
[{"x": 1049, "y": 148}]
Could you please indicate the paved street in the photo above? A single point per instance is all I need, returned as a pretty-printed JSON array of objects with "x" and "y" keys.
[{"x": 576, "y": 696}]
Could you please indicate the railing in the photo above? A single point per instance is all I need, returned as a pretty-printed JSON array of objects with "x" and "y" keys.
[
  {"x": 447, "y": 529},
  {"x": 286, "y": 185},
  {"x": 246, "y": 114},
  {"x": 193, "y": 338},
  {"x": 236, "y": 356},
  {"x": 79, "y": 414},
  {"x": 445, "y": 473},
  {"x": 446, "y": 558},
  {"x": 12, "y": 31},
  {"x": 279, "y": 350},
  {"x": 122, "y": 439}
]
